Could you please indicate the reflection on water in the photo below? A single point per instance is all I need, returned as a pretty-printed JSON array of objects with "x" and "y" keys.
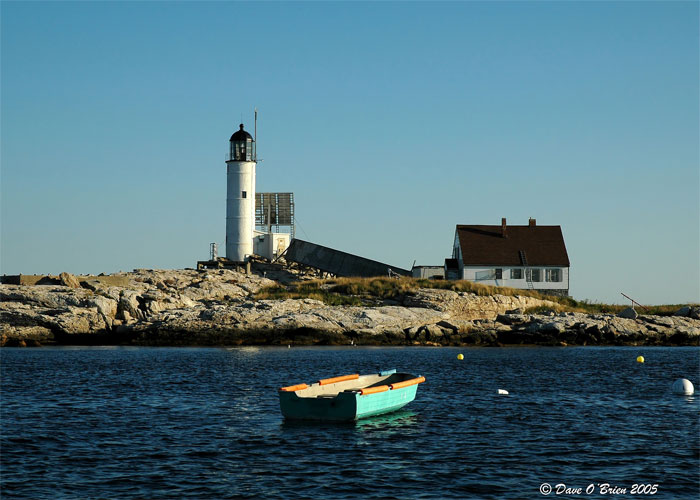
[
  {"x": 390, "y": 421},
  {"x": 395, "y": 420},
  {"x": 248, "y": 350}
]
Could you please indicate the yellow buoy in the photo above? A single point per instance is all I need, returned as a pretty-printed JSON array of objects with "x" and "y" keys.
[
  {"x": 640, "y": 359},
  {"x": 460, "y": 356}
]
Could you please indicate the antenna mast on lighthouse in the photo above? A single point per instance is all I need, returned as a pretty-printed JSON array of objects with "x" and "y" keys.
[{"x": 255, "y": 134}]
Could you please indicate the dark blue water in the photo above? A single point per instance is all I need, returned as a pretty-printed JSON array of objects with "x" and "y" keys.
[{"x": 205, "y": 423}]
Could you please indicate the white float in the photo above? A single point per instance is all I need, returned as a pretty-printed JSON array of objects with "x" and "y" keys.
[
  {"x": 683, "y": 386},
  {"x": 502, "y": 391}
]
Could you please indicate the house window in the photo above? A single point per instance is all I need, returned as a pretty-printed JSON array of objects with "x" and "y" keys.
[
  {"x": 516, "y": 274},
  {"x": 244, "y": 194},
  {"x": 534, "y": 274},
  {"x": 485, "y": 275},
  {"x": 553, "y": 275},
  {"x": 499, "y": 274}
]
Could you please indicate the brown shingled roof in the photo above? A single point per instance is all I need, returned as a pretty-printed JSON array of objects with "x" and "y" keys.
[{"x": 485, "y": 245}]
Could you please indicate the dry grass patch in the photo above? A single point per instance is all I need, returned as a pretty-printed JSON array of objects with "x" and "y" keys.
[
  {"x": 354, "y": 291},
  {"x": 306, "y": 290},
  {"x": 366, "y": 291}
]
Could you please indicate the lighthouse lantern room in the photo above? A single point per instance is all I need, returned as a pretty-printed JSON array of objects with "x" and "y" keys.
[{"x": 242, "y": 146}]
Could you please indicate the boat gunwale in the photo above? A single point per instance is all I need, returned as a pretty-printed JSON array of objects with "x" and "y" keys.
[{"x": 325, "y": 390}]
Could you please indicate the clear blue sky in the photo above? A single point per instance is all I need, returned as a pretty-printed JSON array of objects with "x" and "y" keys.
[{"x": 390, "y": 122}]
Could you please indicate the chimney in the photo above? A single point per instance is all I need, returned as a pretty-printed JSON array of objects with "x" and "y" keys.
[
  {"x": 533, "y": 222},
  {"x": 503, "y": 228}
]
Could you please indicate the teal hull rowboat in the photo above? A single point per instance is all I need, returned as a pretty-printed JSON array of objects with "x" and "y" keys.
[{"x": 350, "y": 397}]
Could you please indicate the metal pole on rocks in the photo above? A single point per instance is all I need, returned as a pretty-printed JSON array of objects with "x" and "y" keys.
[{"x": 633, "y": 301}]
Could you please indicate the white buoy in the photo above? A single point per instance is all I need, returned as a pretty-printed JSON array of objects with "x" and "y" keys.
[
  {"x": 502, "y": 391},
  {"x": 683, "y": 386}
]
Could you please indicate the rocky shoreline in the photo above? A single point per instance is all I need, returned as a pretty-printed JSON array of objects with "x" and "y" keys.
[{"x": 219, "y": 308}]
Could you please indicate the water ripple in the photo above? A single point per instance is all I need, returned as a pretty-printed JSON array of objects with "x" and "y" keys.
[{"x": 205, "y": 423}]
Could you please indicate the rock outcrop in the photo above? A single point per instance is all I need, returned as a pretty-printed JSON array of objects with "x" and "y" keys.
[
  {"x": 69, "y": 280},
  {"x": 688, "y": 311},
  {"x": 218, "y": 307}
]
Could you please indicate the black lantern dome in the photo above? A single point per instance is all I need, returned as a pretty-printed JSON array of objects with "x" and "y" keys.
[{"x": 242, "y": 146}]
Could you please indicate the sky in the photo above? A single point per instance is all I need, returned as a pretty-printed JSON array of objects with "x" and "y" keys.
[{"x": 391, "y": 122}]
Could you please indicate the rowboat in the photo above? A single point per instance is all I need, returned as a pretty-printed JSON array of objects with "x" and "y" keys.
[{"x": 349, "y": 397}]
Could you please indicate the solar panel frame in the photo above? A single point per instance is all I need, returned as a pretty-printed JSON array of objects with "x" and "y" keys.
[{"x": 274, "y": 209}]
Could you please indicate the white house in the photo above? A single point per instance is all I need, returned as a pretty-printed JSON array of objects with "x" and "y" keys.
[{"x": 529, "y": 257}]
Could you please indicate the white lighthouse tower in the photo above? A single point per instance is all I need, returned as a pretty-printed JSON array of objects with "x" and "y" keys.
[{"x": 240, "y": 196}]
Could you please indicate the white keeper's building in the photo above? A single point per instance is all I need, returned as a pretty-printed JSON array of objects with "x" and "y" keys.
[{"x": 529, "y": 257}]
